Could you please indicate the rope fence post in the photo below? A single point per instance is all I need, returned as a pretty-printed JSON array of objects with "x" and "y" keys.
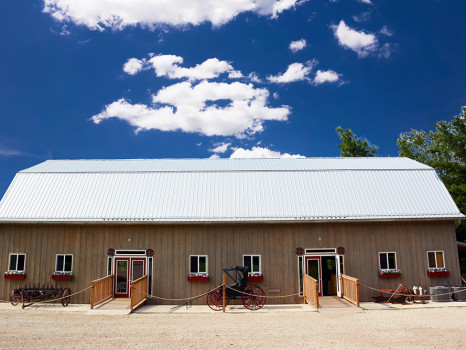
[
  {"x": 357, "y": 293},
  {"x": 224, "y": 291},
  {"x": 92, "y": 287}
]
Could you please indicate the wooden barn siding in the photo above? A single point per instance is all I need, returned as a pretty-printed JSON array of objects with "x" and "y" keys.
[{"x": 225, "y": 245}]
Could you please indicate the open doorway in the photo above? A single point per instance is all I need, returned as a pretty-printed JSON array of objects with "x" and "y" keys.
[
  {"x": 326, "y": 269},
  {"x": 329, "y": 276}
]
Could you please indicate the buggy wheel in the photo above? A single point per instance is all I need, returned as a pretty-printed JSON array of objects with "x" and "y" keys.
[
  {"x": 253, "y": 297},
  {"x": 215, "y": 299},
  {"x": 14, "y": 298},
  {"x": 66, "y": 298}
]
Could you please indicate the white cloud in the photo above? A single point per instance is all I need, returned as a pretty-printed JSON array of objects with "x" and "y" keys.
[
  {"x": 64, "y": 30},
  {"x": 278, "y": 6},
  {"x": 193, "y": 109},
  {"x": 169, "y": 66},
  {"x": 300, "y": 72},
  {"x": 328, "y": 76},
  {"x": 386, "y": 31},
  {"x": 116, "y": 15},
  {"x": 368, "y": 2},
  {"x": 221, "y": 147},
  {"x": 9, "y": 152},
  {"x": 276, "y": 95},
  {"x": 363, "y": 17},
  {"x": 133, "y": 66},
  {"x": 385, "y": 50},
  {"x": 235, "y": 74},
  {"x": 214, "y": 156},
  {"x": 295, "y": 72},
  {"x": 360, "y": 42},
  {"x": 261, "y": 152},
  {"x": 297, "y": 45},
  {"x": 254, "y": 78}
]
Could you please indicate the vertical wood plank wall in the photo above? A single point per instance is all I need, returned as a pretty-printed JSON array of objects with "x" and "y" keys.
[{"x": 225, "y": 245}]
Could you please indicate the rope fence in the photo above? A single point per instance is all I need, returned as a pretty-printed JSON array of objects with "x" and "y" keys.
[
  {"x": 229, "y": 287},
  {"x": 291, "y": 295},
  {"x": 410, "y": 295},
  {"x": 179, "y": 299},
  {"x": 245, "y": 293}
]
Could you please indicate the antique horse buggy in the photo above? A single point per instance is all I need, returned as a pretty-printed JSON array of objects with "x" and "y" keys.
[{"x": 252, "y": 296}]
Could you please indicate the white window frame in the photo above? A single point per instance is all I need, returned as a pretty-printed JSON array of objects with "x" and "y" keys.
[
  {"x": 260, "y": 263},
  {"x": 64, "y": 258},
  {"x": 435, "y": 255},
  {"x": 206, "y": 264},
  {"x": 110, "y": 263},
  {"x": 9, "y": 260},
  {"x": 300, "y": 276},
  {"x": 388, "y": 267}
]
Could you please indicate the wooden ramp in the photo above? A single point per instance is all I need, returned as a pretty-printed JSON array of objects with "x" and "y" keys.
[
  {"x": 336, "y": 305},
  {"x": 120, "y": 306}
]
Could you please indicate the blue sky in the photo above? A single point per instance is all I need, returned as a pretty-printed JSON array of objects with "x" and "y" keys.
[{"x": 94, "y": 79}]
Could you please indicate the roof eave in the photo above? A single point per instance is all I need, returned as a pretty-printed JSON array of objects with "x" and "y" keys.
[{"x": 231, "y": 221}]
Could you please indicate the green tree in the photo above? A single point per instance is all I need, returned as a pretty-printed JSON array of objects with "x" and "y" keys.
[
  {"x": 352, "y": 146},
  {"x": 444, "y": 149}
]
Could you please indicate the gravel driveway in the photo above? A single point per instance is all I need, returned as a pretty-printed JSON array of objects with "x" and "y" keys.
[{"x": 389, "y": 329}]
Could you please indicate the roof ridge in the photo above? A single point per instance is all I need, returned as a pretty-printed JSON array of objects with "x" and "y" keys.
[
  {"x": 222, "y": 171},
  {"x": 218, "y": 159}
]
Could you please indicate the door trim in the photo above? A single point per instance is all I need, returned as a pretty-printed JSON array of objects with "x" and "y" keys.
[
  {"x": 319, "y": 260},
  {"x": 115, "y": 293},
  {"x": 338, "y": 271},
  {"x": 130, "y": 260},
  {"x": 144, "y": 260}
]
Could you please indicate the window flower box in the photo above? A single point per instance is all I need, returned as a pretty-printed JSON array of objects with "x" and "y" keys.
[
  {"x": 198, "y": 277},
  {"x": 14, "y": 275},
  {"x": 255, "y": 277},
  {"x": 438, "y": 272},
  {"x": 62, "y": 276},
  {"x": 393, "y": 273}
]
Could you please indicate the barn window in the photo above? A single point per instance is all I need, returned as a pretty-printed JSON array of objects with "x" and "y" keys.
[
  {"x": 64, "y": 263},
  {"x": 17, "y": 262},
  {"x": 436, "y": 260},
  {"x": 198, "y": 264},
  {"x": 387, "y": 260},
  {"x": 253, "y": 262}
]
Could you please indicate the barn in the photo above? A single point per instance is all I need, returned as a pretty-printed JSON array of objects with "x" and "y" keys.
[{"x": 384, "y": 221}]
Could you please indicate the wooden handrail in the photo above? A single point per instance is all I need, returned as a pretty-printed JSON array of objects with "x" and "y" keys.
[
  {"x": 139, "y": 292},
  {"x": 101, "y": 290},
  {"x": 140, "y": 278},
  {"x": 100, "y": 279},
  {"x": 311, "y": 291},
  {"x": 350, "y": 288},
  {"x": 350, "y": 278}
]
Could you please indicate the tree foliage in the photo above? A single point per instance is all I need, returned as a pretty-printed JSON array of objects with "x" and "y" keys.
[
  {"x": 352, "y": 146},
  {"x": 444, "y": 149}
]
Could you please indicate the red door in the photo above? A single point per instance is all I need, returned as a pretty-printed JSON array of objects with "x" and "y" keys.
[
  {"x": 122, "y": 277},
  {"x": 314, "y": 269},
  {"x": 127, "y": 270},
  {"x": 138, "y": 268}
]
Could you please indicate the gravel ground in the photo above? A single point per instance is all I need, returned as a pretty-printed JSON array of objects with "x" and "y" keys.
[{"x": 388, "y": 329}]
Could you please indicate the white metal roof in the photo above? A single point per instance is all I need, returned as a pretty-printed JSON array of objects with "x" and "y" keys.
[{"x": 227, "y": 190}]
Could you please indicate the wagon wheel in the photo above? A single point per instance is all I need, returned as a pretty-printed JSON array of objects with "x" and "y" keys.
[
  {"x": 215, "y": 299},
  {"x": 253, "y": 297},
  {"x": 66, "y": 298},
  {"x": 14, "y": 298}
]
